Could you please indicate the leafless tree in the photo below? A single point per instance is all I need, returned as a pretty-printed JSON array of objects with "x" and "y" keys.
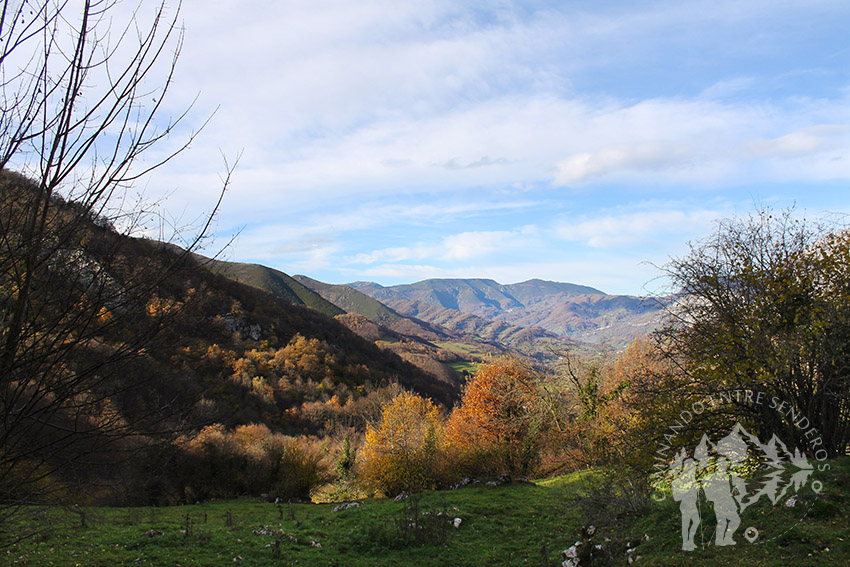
[{"x": 81, "y": 112}]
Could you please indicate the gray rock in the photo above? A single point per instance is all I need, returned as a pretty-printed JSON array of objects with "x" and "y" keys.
[{"x": 346, "y": 506}]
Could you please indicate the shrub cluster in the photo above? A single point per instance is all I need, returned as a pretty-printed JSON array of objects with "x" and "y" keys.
[{"x": 248, "y": 460}]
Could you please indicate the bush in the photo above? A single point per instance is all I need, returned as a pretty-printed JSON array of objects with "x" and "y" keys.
[{"x": 250, "y": 460}]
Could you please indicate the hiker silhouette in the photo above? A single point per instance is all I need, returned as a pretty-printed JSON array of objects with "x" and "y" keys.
[
  {"x": 718, "y": 481},
  {"x": 686, "y": 491},
  {"x": 717, "y": 486}
]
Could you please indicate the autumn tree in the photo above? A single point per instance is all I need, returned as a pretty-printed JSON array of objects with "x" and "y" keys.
[
  {"x": 81, "y": 104},
  {"x": 498, "y": 425},
  {"x": 764, "y": 304},
  {"x": 400, "y": 451}
]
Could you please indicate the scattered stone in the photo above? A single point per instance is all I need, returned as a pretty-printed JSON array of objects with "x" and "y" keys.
[
  {"x": 401, "y": 497},
  {"x": 500, "y": 480},
  {"x": 346, "y": 506},
  {"x": 465, "y": 481},
  {"x": 153, "y": 533},
  {"x": 791, "y": 502},
  {"x": 274, "y": 532},
  {"x": 268, "y": 531},
  {"x": 456, "y": 522},
  {"x": 570, "y": 556}
]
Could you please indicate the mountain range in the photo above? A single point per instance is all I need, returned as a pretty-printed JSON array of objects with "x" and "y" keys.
[{"x": 581, "y": 313}]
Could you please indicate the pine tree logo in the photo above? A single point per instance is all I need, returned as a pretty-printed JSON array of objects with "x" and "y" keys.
[{"x": 717, "y": 472}]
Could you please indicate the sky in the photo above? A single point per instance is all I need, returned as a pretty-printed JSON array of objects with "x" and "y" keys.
[{"x": 584, "y": 142}]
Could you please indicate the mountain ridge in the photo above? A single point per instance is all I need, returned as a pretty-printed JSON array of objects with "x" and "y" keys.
[{"x": 579, "y": 312}]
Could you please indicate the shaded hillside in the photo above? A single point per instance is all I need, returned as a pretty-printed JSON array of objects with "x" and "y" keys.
[
  {"x": 281, "y": 322},
  {"x": 113, "y": 344},
  {"x": 423, "y": 354},
  {"x": 406, "y": 337}
]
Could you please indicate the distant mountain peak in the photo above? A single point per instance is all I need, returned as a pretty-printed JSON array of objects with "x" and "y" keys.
[{"x": 359, "y": 284}]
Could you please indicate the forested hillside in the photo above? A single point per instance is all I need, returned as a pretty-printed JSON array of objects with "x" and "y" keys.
[{"x": 147, "y": 335}]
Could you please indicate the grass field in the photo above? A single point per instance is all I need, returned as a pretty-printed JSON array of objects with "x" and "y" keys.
[
  {"x": 515, "y": 524},
  {"x": 460, "y": 366}
]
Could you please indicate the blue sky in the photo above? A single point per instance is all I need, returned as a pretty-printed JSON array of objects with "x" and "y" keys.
[{"x": 573, "y": 141}]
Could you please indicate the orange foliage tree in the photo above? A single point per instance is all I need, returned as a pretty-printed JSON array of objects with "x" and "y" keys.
[
  {"x": 498, "y": 426},
  {"x": 400, "y": 452}
]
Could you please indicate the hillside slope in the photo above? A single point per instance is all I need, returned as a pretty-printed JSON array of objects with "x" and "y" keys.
[
  {"x": 273, "y": 281},
  {"x": 354, "y": 301},
  {"x": 442, "y": 353}
]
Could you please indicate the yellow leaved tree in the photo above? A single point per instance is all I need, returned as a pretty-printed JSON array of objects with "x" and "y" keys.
[{"x": 400, "y": 451}]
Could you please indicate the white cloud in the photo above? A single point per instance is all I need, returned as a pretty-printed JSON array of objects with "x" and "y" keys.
[
  {"x": 331, "y": 98},
  {"x": 405, "y": 272},
  {"x": 638, "y": 228},
  {"x": 804, "y": 142},
  {"x": 470, "y": 245},
  {"x": 398, "y": 254},
  {"x": 454, "y": 248},
  {"x": 728, "y": 87},
  {"x": 517, "y": 141},
  {"x": 640, "y": 157}
]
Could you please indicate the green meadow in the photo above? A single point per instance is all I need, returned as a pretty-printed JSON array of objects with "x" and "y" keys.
[{"x": 513, "y": 524}]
